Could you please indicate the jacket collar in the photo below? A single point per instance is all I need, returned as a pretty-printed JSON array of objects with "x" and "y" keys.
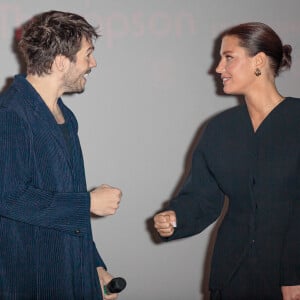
[{"x": 41, "y": 112}]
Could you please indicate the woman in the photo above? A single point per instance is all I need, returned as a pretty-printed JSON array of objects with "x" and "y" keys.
[{"x": 251, "y": 154}]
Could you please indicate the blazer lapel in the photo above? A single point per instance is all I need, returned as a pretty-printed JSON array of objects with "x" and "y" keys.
[
  {"x": 40, "y": 115},
  {"x": 45, "y": 118}
]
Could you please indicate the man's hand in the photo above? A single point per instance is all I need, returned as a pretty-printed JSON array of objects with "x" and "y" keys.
[
  {"x": 105, "y": 278},
  {"x": 165, "y": 222},
  {"x": 105, "y": 200},
  {"x": 291, "y": 292}
]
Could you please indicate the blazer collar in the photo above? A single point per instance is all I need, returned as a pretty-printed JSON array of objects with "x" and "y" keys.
[{"x": 41, "y": 111}]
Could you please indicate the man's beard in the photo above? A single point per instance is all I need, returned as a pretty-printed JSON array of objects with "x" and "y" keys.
[{"x": 77, "y": 85}]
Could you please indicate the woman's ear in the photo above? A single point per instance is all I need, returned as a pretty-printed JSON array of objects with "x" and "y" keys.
[{"x": 260, "y": 60}]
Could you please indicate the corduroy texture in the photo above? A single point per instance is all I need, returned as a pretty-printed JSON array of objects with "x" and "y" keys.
[{"x": 46, "y": 245}]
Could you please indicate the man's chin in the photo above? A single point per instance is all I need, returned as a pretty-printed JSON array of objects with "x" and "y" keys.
[
  {"x": 81, "y": 91},
  {"x": 74, "y": 92}
]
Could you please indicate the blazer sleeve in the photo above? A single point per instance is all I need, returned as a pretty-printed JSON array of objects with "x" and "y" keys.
[
  {"x": 200, "y": 201},
  {"x": 98, "y": 259},
  {"x": 21, "y": 201}
]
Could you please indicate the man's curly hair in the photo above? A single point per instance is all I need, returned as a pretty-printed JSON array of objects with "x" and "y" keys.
[{"x": 50, "y": 34}]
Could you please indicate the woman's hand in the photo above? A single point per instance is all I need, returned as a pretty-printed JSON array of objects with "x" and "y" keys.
[{"x": 165, "y": 222}]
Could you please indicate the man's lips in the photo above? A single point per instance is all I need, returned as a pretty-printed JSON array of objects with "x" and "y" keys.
[{"x": 87, "y": 73}]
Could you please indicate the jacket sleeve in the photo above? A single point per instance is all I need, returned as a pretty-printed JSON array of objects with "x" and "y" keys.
[
  {"x": 200, "y": 201},
  {"x": 98, "y": 259},
  {"x": 20, "y": 200}
]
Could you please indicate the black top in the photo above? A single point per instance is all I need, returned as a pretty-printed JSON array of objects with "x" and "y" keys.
[
  {"x": 66, "y": 134},
  {"x": 260, "y": 173}
]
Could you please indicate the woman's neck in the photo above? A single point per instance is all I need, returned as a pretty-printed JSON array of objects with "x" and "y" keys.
[{"x": 261, "y": 104}]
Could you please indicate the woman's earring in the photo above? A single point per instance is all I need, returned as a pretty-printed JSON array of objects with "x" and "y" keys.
[{"x": 257, "y": 72}]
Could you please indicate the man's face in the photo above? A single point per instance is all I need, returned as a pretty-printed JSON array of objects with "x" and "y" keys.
[{"x": 76, "y": 75}]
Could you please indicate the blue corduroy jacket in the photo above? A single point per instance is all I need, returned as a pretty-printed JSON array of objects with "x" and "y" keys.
[{"x": 46, "y": 245}]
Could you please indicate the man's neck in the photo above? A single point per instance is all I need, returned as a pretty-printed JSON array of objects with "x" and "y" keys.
[{"x": 48, "y": 90}]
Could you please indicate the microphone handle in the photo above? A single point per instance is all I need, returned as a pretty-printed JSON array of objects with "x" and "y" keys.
[{"x": 116, "y": 285}]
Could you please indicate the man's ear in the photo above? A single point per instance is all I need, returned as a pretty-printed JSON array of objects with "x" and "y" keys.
[{"x": 61, "y": 63}]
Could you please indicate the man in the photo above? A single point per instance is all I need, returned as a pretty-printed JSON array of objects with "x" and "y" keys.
[{"x": 46, "y": 245}]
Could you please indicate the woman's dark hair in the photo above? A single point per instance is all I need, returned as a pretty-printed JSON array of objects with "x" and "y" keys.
[
  {"x": 258, "y": 37},
  {"x": 50, "y": 34}
]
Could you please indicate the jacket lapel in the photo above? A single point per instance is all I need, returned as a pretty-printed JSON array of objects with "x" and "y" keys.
[{"x": 41, "y": 116}]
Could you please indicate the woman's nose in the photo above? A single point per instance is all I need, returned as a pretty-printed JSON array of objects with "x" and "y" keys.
[{"x": 220, "y": 67}]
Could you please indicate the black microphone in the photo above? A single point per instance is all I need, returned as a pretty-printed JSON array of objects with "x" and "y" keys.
[{"x": 116, "y": 285}]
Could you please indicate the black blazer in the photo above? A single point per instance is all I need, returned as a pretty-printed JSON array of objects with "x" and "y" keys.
[{"x": 260, "y": 173}]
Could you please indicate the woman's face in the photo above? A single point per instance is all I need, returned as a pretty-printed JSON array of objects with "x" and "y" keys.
[{"x": 236, "y": 67}]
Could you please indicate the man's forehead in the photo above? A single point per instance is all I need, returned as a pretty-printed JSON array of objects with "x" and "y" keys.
[{"x": 86, "y": 44}]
